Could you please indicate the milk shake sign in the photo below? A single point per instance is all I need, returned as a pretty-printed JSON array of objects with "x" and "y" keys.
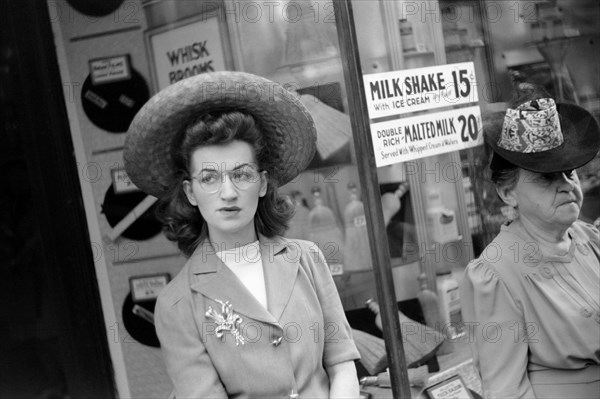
[
  {"x": 401, "y": 92},
  {"x": 408, "y": 91}
]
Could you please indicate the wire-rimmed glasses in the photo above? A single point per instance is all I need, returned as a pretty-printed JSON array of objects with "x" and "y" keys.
[{"x": 242, "y": 177}]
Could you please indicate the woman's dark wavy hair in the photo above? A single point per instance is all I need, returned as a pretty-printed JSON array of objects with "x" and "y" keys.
[{"x": 182, "y": 222}]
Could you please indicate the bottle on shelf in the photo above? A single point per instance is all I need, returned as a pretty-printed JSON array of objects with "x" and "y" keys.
[
  {"x": 440, "y": 220},
  {"x": 358, "y": 253},
  {"x": 430, "y": 306},
  {"x": 449, "y": 299},
  {"x": 324, "y": 231},
  {"x": 406, "y": 36},
  {"x": 299, "y": 222}
]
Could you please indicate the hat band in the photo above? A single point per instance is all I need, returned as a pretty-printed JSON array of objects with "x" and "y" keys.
[{"x": 532, "y": 127}]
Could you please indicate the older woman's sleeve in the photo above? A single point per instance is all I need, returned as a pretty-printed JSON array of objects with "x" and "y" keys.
[
  {"x": 495, "y": 325},
  {"x": 338, "y": 342},
  {"x": 188, "y": 364}
]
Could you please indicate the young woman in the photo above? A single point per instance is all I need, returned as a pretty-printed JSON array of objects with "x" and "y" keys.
[
  {"x": 533, "y": 295},
  {"x": 251, "y": 314}
]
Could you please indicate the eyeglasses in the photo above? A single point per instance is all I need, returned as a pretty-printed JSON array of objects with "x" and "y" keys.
[{"x": 242, "y": 177}]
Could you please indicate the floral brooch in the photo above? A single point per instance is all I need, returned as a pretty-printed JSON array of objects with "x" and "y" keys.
[{"x": 227, "y": 321}]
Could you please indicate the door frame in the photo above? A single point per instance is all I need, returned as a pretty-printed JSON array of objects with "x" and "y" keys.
[{"x": 52, "y": 167}]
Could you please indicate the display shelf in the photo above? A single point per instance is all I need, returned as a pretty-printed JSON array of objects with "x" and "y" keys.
[
  {"x": 415, "y": 53},
  {"x": 462, "y": 47}
]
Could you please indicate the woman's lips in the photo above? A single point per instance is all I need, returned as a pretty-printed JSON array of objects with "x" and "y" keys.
[
  {"x": 568, "y": 201},
  {"x": 230, "y": 209}
]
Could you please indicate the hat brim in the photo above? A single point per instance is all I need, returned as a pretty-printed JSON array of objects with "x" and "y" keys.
[
  {"x": 581, "y": 142},
  {"x": 289, "y": 130}
]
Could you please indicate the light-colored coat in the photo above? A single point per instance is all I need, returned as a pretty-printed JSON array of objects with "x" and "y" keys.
[{"x": 285, "y": 349}]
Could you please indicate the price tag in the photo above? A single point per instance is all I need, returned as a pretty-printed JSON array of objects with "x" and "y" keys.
[
  {"x": 110, "y": 69},
  {"x": 145, "y": 288},
  {"x": 336, "y": 269},
  {"x": 452, "y": 388},
  {"x": 121, "y": 182},
  {"x": 406, "y": 139},
  {"x": 360, "y": 221}
]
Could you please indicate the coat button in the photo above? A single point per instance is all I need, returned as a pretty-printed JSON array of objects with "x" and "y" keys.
[
  {"x": 276, "y": 341},
  {"x": 585, "y": 312},
  {"x": 547, "y": 272},
  {"x": 583, "y": 249}
]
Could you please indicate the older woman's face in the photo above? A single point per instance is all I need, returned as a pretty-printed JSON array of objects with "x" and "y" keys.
[{"x": 550, "y": 200}]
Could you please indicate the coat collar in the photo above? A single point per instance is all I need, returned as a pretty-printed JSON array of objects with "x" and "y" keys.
[{"x": 211, "y": 278}]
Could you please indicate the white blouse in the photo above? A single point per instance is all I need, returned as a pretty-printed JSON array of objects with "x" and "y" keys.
[{"x": 246, "y": 263}]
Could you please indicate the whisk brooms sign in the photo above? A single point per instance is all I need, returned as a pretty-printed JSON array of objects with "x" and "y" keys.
[{"x": 188, "y": 48}]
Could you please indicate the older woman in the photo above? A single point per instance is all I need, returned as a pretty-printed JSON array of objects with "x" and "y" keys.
[
  {"x": 532, "y": 298},
  {"x": 251, "y": 314}
]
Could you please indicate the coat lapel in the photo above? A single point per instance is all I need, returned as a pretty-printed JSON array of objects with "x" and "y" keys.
[
  {"x": 281, "y": 264},
  {"x": 211, "y": 278}
]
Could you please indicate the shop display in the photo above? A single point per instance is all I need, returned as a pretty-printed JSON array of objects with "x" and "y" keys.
[
  {"x": 442, "y": 210},
  {"x": 112, "y": 106}
]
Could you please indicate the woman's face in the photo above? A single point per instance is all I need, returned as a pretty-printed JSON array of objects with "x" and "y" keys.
[
  {"x": 228, "y": 212},
  {"x": 551, "y": 201}
]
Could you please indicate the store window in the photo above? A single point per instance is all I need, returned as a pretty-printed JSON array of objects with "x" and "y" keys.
[
  {"x": 439, "y": 209},
  {"x": 507, "y": 44}
]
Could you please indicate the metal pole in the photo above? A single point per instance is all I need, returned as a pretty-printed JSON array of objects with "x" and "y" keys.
[{"x": 371, "y": 196}]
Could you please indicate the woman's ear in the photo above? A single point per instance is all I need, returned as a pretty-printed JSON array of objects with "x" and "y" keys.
[
  {"x": 264, "y": 182},
  {"x": 507, "y": 195},
  {"x": 189, "y": 192}
]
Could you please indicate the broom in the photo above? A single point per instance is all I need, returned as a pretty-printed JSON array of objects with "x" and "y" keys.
[
  {"x": 374, "y": 359},
  {"x": 420, "y": 341},
  {"x": 372, "y": 351}
]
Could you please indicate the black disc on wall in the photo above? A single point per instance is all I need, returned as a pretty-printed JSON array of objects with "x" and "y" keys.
[
  {"x": 95, "y": 8},
  {"x": 112, "y": 106},
  {"x": 117, "y": 206}
]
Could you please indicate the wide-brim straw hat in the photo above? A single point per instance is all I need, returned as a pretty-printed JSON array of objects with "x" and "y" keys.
[
  {"x": 288, "y": 128},
  {"x": 572, "y": 143}
]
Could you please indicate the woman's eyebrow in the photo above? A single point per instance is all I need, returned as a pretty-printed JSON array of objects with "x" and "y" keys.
[{"x": 239, "y": 166}]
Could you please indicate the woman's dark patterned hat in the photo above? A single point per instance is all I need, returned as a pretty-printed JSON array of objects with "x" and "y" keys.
[
  {"x": 289, "y": 130},
  {"x": 543, "y": 136}
]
